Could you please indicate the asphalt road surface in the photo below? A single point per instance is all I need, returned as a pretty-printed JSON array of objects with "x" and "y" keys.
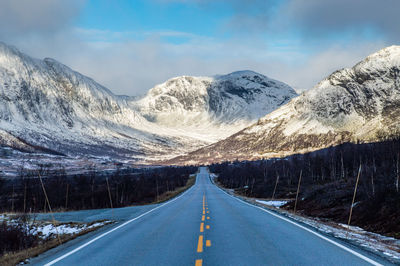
[{"x": 206, "y": 226}]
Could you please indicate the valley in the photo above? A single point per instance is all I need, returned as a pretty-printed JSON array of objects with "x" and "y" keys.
[
  {"x": 48, "y": 108},
  {"x": 196, "y": 132},
  {"x": 94, "y": 150}
]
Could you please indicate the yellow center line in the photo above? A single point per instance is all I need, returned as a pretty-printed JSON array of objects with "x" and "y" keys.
[
  {"x": 200, "y": 244},
  {"x": 199, "y": 262}
]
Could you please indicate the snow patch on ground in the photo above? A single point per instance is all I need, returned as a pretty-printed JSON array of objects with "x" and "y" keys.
[
  {"x": 388, "y": 246},
  {"x": 273, "y": 203},
  {"x": 47, "y": 230}
]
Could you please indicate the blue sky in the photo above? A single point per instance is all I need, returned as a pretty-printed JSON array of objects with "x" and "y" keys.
[
  {"x": 130, "y": 46},
  {"x": 153, "y": 16}
]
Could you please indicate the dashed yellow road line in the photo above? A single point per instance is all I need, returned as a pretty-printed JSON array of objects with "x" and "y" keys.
[{"x": 200, "y": 244}]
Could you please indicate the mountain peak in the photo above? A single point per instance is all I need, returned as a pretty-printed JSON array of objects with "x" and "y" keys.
[
  {"x": 11, "y": 57},
  {"x": 351, "y": 105},
  {"x": 390, "y": 51},
  {"x": 236, "y": 98},
  {"x": 382, "y": 60},
  {"x": 8, "y": 49},
  {"x": 237, "y": 74}
]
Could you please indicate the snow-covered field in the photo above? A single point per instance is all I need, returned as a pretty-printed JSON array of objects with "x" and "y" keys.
[{"x": 13, "y": 162}]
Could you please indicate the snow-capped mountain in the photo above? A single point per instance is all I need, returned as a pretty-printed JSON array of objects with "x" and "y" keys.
[
  {"x": 360, "y": 104},
  {"x": 46, "y": 106},
  {"x": 212, "y": 108}
]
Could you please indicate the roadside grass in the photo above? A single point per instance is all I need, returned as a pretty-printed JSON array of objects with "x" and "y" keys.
[
  {"x": 171, "y": 194},
  {"x": 14, "y": 258}
]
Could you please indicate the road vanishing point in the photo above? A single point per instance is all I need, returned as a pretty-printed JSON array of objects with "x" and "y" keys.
[{"x": 206, "y": 226}]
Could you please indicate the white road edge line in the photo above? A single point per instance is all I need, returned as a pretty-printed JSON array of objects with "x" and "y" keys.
[
  {"x": 308, "y": 230},
  {"x": 112, "y": 230}
]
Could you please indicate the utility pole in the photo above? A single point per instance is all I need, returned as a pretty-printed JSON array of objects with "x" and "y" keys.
[{"x": 298, "y": 189}]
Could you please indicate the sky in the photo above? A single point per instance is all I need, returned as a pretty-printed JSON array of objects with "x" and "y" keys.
[{"x": 130, "y": 46}]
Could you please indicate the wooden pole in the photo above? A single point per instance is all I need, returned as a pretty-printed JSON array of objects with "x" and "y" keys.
[
  {"x": 397, "y": 174},
  {"x": 354, "y": 195},
  {"x": 341, "y": 159},
  {"x": 109, "y": 195},
  {"x": 66, "y": 197},
  {"x": 51, "y": 212},
  {"x": 24, "y": 197},
  {"x": 157, "y": 189},
  {"x": 12, "y": 199},
  {"x": 298, "y": 189},
  {"x": 276, "y": 184}
]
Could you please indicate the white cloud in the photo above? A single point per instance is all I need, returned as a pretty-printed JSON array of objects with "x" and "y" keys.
[
  {"x": 133, "y": 67},
  {"x": 131, "y": 62},
  {"x": 318, "y": 18},
  {"x": 18, "y": 17}
]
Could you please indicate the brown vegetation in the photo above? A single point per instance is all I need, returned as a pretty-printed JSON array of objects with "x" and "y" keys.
[{"x": 328, "y": 181}]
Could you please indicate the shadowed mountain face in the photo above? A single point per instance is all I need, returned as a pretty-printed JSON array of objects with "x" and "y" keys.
[
  {"x": 361, "y": 104},
  {"x": 46, "y": 106}
]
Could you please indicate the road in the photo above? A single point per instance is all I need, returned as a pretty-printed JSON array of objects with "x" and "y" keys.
[{"x": 206, "y": 226}]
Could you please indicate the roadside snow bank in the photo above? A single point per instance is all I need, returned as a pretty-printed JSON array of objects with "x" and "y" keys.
[
  {"x": 46, "y": 230},
  {"x": 388, "y": 246},
  {"x": 273, "y": 203}
]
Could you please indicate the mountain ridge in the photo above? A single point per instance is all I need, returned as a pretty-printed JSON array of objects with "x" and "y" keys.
[
  {"x": 358, "y": 104},
  {"x": 49, "y": 106}
]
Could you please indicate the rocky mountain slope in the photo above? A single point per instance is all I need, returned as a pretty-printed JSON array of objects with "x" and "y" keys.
[
  {"x": 45, "y": 106},
  {"x": 360, "y": 104}
]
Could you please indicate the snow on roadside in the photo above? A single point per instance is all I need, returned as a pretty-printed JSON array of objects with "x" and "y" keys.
[
  {"x": 388, "y": 246},
  {"x": 273, "y": 203},
  {"x": 47, "y": 230},
  {"x": 379, "y": 244}
]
